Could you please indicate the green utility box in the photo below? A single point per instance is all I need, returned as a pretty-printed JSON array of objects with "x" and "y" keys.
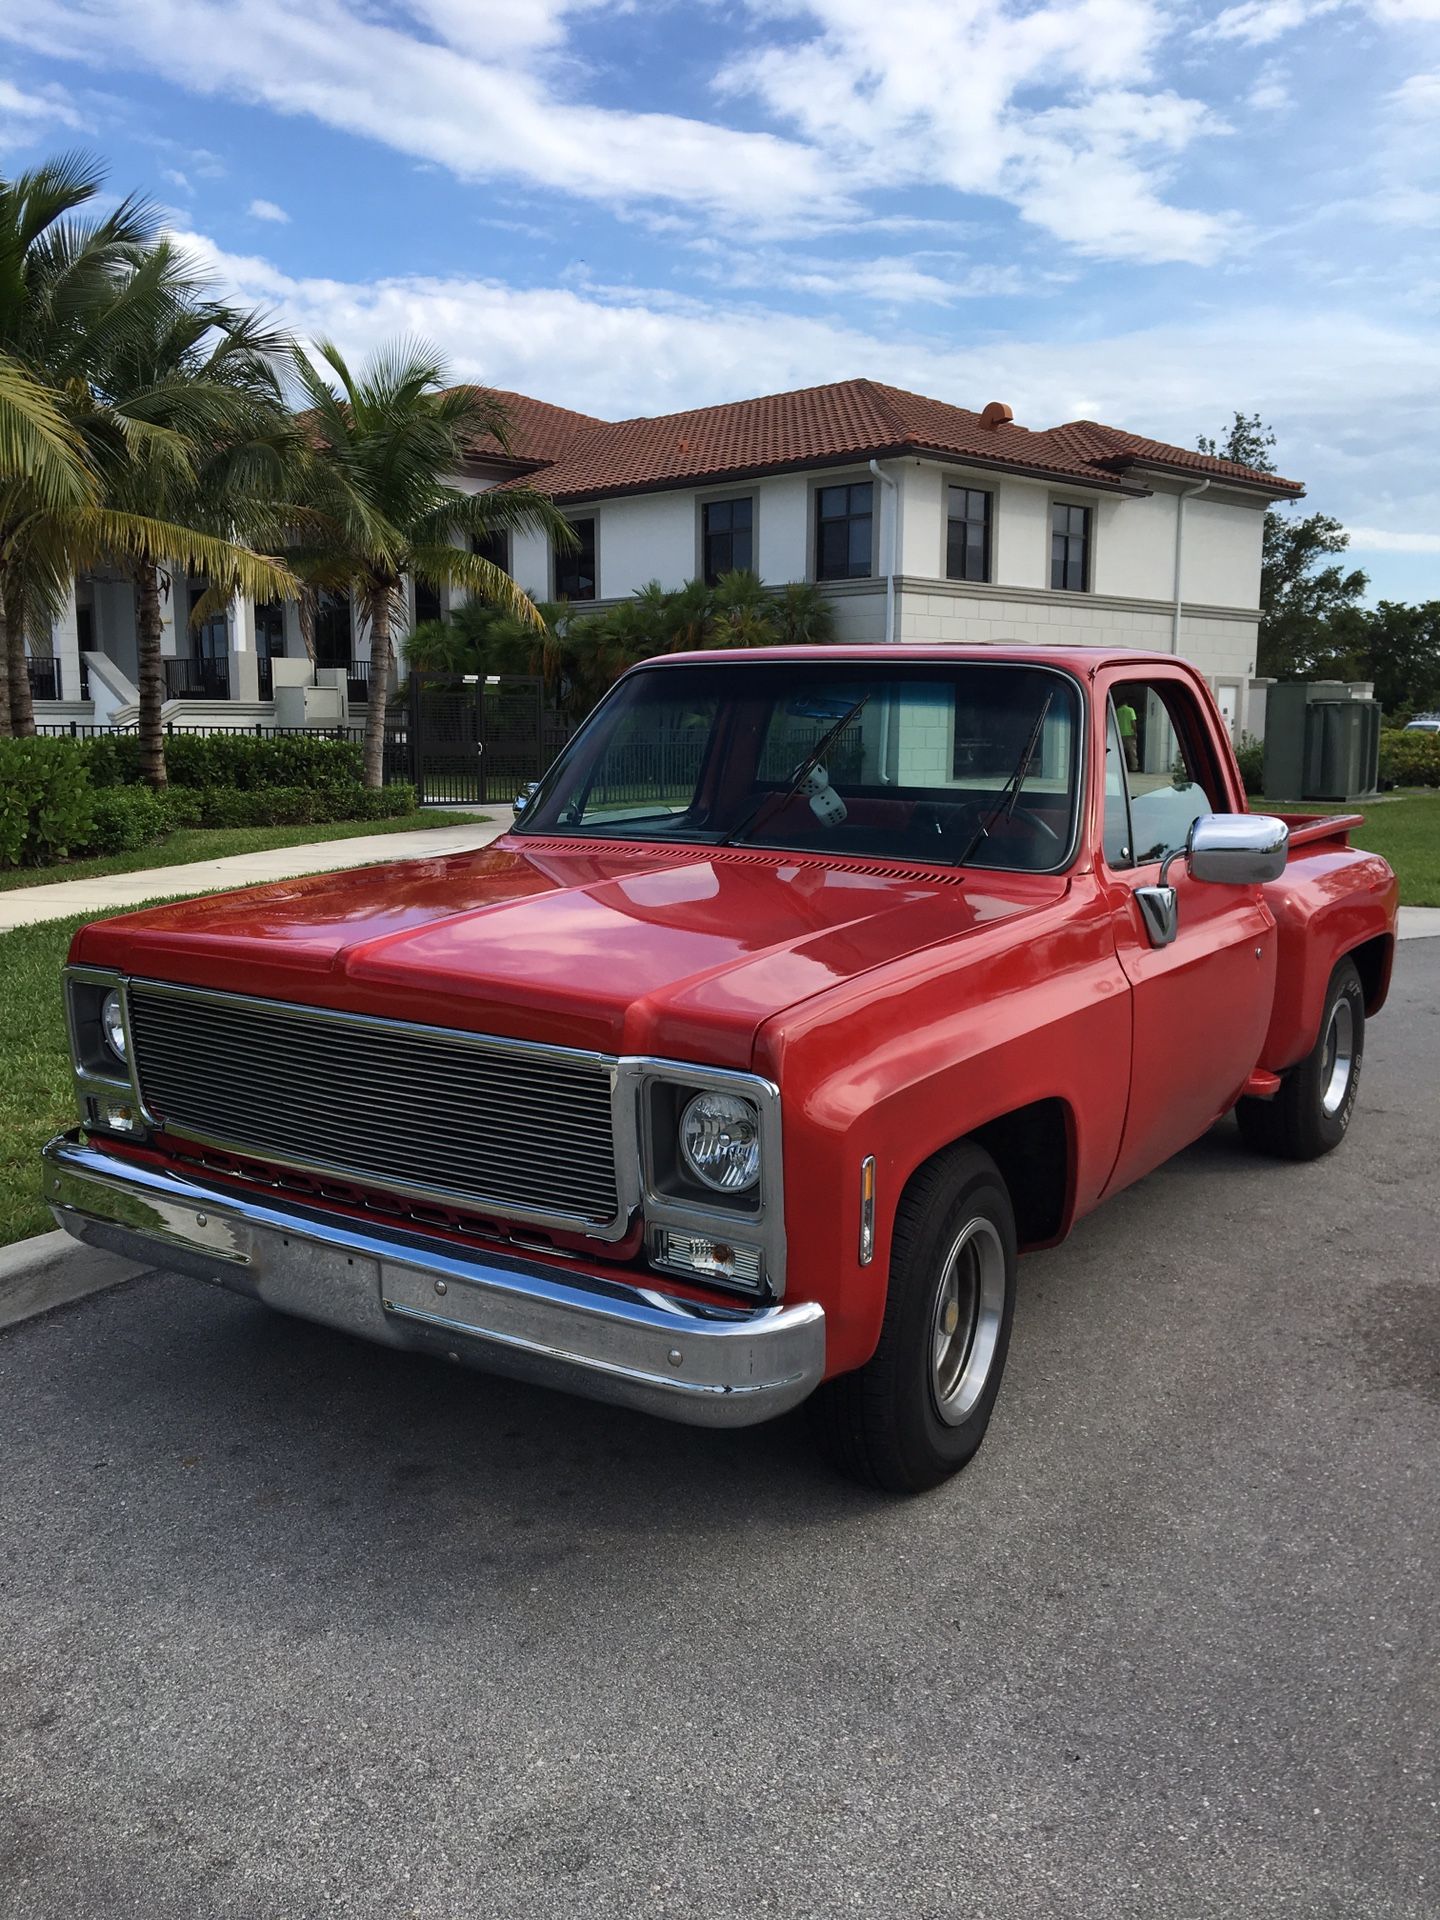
[{"x": 1321, "y": 742}]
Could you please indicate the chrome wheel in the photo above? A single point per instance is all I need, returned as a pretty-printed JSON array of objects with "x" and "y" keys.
[
  {"x": 965, "y": 1320},
  {"x": 1338, "y": 1060}
]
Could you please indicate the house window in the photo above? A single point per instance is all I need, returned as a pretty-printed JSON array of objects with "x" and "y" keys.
[
  {"x": 427, "y": 602},
  {"x": 1069, "y": 548},
  {"x": 727, "y": 536},
  {"x": 208, "y": 641},
  {"x": 494, "y": 547},
  {"x": 332, "y": 628},
  {"x": 575, "y": 570},
  {"x": 844, "y": 518},
  {"x": 967, "y": 534}
]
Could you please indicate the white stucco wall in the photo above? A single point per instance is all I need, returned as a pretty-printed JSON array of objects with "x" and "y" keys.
[
  {"x": 1134, "y": 550},
  {"x": 922, "y": 518},
  {"x": 1221, "y": 565},
  {"x": 650, "y": 537},
  {"x": 530, "y": 562},
  {"x": 1020, "y": 535},
  {"x": 782, "y": 507}
]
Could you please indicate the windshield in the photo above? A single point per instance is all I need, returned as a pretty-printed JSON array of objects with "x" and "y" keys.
[{"x": 886, "y": 760}]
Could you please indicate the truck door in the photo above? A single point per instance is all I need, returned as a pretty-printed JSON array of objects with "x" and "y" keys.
[{"x": 1201, "y": 1005}]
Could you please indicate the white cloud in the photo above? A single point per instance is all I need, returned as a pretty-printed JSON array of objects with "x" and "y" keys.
[
  {"x": 23, "y": 115},
  {"x": 1356, "y": 402},
  {"x": 1049, "y": 107},
  {"x": 346, "y": 65},
  {"x": 1271, "y": 90},
  {"x": 267, "y": 210},
  {"x": 929, "y": 278},
  {"x": 1379, "y": 540},
  {"x": 1258, "y": 22}
]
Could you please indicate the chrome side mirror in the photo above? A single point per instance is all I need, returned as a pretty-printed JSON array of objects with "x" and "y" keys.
[
  {"x": 1237, "y": 849},
  {"x": 525, "y": 796},
  {"x": 1224, "y": 849}
]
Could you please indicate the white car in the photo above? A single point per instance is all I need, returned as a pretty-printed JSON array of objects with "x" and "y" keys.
[{"x": 1427, "y": 723}]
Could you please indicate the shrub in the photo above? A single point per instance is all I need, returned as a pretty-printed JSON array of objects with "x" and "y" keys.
[
  {"x": 1250, "y": 752},
  {"x": 125, "y": 818},
  {"x": 300, "y": 806},
  {"x": 46, "y": 801},
  {"x": 1410, "y": 759},
  {"x": 231, "y": 760}
]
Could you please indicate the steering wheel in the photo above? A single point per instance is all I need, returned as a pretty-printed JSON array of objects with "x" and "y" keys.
[{"x": 1037, "y": 821}]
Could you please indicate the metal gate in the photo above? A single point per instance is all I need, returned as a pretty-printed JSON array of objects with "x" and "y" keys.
[
  {"x": 445, "y": 750},
  {"x": 474, "y": 740},
  {"x": 512, "y": 721}
]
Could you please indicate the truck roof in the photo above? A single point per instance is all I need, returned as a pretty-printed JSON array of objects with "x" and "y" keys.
[{"x": 1080, "y": 660}]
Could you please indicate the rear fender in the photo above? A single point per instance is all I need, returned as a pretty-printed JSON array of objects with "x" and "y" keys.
[{"x": 1329, "y": 903}]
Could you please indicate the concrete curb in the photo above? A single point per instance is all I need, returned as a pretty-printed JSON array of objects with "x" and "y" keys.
[{"x": 51, "y": 1270}]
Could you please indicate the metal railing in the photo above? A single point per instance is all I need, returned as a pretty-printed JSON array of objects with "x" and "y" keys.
[
  {"x": 197, "y": 679},
  {"x": 45, "y": 676}
]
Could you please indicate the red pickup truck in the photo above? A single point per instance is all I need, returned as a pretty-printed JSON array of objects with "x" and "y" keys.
[{"x": 810, "y": 988}]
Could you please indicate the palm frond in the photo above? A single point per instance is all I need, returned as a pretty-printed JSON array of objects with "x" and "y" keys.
[{"x": 39, "y": 449}]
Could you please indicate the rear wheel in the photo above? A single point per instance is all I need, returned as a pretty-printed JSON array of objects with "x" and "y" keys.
[
  {"x": 1311, "y": 1113},
  {"x": 918, "y": 1410}
]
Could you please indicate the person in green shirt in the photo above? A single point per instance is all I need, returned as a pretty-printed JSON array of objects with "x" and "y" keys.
[{"x": 1125, "y": 718}]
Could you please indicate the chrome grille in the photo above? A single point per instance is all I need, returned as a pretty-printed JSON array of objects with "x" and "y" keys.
[{"x": 521, "y": 1130}]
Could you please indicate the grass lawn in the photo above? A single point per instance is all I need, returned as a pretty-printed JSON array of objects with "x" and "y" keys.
[
  {"x": 213, "y": 843},
  {"x": 1403, "y": 827},
  {"x": 36, "y": 1092}
]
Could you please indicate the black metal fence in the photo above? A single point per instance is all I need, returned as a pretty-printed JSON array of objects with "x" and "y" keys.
[
  {"x": 45, "y": 676},
  {"x": 197, "y": 679},
  {"x": 471, "y": 746}
]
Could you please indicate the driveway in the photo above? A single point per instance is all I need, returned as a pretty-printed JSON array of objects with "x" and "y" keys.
[{"x": 291, "y": 1626}]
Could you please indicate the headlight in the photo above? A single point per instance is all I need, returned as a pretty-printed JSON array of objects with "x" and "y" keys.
[
  {"x": 720, "y": 1141},
  {"x": 112, "y": 1024}
]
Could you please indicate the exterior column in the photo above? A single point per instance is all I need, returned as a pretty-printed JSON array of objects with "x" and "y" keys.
[
  {"x": 65, "y": 641},
  {"x": 244, "y": 664}
]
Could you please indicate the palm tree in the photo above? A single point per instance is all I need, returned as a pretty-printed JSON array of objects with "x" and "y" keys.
[
  {"x": 42, "y": 460},
  {"x": 193, "y": 425},
  {"x": 57, "y": 273},
  {"x": 77, "y": 300},
  {"x": 383, "y": 442}
]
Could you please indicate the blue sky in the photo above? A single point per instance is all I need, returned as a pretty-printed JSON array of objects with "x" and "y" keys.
[{"x": 1142, "y": 211}]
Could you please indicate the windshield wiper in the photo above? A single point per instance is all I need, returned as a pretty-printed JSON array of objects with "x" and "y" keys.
[
  {"x": 1004, "y": 804},
  {"x": 774, "y": 801}
]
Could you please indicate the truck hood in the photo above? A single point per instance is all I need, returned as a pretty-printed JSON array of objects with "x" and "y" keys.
[{"x": 677, "y": 951}]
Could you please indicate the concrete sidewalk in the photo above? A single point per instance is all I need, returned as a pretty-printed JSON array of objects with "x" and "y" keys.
[
  {"x": 1418, "y": 923},
  {"x": 25, "y": 906}
]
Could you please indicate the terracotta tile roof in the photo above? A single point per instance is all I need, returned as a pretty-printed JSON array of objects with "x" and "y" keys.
[
  {"x": 539, "y": 433},
  {"x": 849, "y": 420}
]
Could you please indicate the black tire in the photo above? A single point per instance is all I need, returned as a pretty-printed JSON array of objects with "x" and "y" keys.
[
  {"x": 1311, "y": 1113},
  {"x": 899, "y": 1423}
]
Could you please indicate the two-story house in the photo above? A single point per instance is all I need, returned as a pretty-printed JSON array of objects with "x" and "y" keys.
[{"x": 922, "y": 521}]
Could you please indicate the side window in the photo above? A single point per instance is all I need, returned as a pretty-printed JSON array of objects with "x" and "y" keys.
[
  {"x": 1116, "y": 829},
  {"x": 1165, "y": 772}
]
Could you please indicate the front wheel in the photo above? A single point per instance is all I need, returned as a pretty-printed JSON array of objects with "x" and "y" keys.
[
  {"x": 918, "y": 1410},
  {"x": 1311, "y": 1113}
]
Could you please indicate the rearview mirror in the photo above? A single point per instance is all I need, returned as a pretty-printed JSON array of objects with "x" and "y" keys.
[
  {"x": 1225, "y": 849},
  {"x": 525, "y": 795},
  {"x": 1237, "y": 849}
]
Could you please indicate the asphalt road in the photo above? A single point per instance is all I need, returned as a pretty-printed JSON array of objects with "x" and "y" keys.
[{"x": 290, "y": 1626}]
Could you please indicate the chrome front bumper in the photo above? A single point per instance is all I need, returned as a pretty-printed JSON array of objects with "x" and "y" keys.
[{"x": 607, "y": 1339}]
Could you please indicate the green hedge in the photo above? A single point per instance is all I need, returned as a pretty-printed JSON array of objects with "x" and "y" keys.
[
  {"x": 230, "y": 760},
  {"x": 46, "y": 804},
  {"x": 125, "y": 818},
  {"x": 50, "y": 811},
  {"x": 1410, "y": 759},
  {"x": 302, "y": 806}
]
